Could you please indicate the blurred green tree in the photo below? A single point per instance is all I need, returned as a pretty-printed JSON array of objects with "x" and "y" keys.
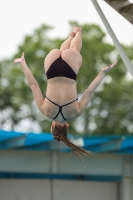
[
  {"x": 16, "y": 100},
  {"x": 109, "y": 112}
]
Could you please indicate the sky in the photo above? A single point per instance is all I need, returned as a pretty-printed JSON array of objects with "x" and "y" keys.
[{"x": 20, "y": 18}]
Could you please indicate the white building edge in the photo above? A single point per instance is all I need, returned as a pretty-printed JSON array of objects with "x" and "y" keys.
[{"x": 32, "y": 167}]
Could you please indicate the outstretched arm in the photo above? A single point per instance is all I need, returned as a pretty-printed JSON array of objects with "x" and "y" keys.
[
  {"x": 31, "y": 81},
  {"x": 85, "y": 99}
]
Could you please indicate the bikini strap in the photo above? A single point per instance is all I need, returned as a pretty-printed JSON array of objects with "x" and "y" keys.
[
  {"x": 70, "y": 102},
  {"x": 60, "y": 107},
  {"x": 52, "y": 101},
  {"x": 60, "y": 111}
]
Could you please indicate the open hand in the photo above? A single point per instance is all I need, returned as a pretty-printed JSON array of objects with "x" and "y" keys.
[
  {"x": 19, "y": 60},
  {"x": 109, "y": 67}
]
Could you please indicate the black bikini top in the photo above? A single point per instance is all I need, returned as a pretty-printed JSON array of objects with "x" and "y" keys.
[{"x": 60, "y": 68}]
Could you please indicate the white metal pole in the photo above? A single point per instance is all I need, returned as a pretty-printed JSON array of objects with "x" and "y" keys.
[{"x": 114, "y": 38}]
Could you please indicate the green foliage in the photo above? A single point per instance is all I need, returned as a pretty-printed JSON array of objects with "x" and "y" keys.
[
  {"x": 110, "y": 111},
  {"x": 15, "y": 95}
]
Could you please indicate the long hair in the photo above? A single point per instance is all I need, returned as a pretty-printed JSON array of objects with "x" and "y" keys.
[{"x": 60, "y": 133}]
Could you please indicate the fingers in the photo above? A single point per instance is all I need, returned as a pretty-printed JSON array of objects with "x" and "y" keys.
[
  {"x": 22, "y": 55},
  {"x": 15, "y": 61},
  {"x": 110, "y": 66},
  {"x": 113, "y": 64},
  {"x": 19, "y": 60}
]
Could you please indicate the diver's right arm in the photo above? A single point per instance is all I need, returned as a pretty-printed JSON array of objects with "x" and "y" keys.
[{"x": 39, "y": 99}]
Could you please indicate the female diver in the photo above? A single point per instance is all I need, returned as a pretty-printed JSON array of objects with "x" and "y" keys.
[{"x": 61, "y": 103}]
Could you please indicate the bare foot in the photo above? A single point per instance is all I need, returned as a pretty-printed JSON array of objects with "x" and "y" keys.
[
  {"x": 77, "y": 29},
  {"x": 72, "y": 34}
]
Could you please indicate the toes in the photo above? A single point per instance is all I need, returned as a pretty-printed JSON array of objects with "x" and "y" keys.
[
  {"x": 77, "y": 29},
  {"x": 72, "y": 34}
]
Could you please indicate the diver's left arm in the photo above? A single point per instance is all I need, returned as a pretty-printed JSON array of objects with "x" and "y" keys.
[{"x": 85, "y": 99}]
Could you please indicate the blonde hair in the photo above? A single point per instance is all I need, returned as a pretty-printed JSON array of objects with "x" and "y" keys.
[{"x": 60, "y": 133}]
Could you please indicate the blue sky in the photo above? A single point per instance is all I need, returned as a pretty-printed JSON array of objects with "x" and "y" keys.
[{"x": 19, "y": 18}]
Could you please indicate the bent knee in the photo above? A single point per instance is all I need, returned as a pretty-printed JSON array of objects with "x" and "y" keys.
[
  {"x": 51, "y": 57},
  {"x": 55, "y": 52},
  {"x": 71, "y": 54},
  {"x": 72, "y": 58}
]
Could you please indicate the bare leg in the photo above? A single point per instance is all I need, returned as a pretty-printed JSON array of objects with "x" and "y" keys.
[
  {"x": 66, "y": 44},
  {"x": 51, "y": 57},
  {"x": 76, "y": 43}
]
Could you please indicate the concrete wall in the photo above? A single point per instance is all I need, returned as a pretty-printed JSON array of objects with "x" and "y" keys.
[
  {"x": 49, "y": 162},
  {"x": 13, "y": 189},
  {"x": 84, "y": 190},
  {"x": 56, "y": 190},
  {"x": 104, "y": 165}
]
